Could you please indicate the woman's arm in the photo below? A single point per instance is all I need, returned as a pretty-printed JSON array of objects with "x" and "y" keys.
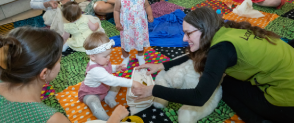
[
  {"x": 163, "y": 66},
  {"x": 219, "y": 58},
  {"x": 58, "y": 118},
  {"x": 41, "y": 4}
]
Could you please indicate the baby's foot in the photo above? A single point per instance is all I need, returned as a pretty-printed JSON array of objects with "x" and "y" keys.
[
  {"x": 140, "y": 59},
  {"x": 100, "y": 114},
  {"x": 125, "y": 60},
  {"x": 110, "y": 100}
]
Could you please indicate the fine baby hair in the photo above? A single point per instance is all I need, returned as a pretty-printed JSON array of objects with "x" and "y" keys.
[
  {"x": 97, "y": 42},
  {"x": 71, "y": 11}
]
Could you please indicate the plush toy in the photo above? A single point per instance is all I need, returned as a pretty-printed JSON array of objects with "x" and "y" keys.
[{"x": 184, "y": 77}]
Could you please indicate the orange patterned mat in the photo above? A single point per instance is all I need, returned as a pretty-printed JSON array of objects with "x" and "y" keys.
[{"x": 260, "y": 22}]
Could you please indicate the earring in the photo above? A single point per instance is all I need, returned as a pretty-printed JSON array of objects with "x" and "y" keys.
[{"x": 47, "y": 82}]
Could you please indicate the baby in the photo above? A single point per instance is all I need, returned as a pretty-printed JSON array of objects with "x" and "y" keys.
[{"x": 99, "y": 83}]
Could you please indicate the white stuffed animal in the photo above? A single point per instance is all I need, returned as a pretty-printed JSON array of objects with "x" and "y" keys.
[{"x": 184, "y": 77}]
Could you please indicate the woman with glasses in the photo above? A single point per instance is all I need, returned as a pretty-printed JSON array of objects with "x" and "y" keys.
[{"x": 259, "y": 68}]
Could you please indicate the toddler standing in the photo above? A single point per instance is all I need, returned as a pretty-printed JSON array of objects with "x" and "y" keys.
[
  {"x": 131, "y": 20},
  {"x": 99, "y": 78},
  {"x": 80, "y": 26}
]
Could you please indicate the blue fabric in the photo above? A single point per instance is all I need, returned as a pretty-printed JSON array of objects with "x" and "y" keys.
[
  {"x": 165, "y": 31},
  {"x": 33, "y": 22}
]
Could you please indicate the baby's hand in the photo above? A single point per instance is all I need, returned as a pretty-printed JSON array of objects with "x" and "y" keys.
[
  {"x": 150, "y": 18},
  {"x": 121, "y": 112},
  {"x": 119, "y": 27},
  {"x": 120, "y": 67}
]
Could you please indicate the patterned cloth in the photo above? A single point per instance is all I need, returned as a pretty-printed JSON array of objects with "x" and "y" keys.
[
  {"x": 260, "y": 22},
  {"x": 186, "y": 3},
  {"x": 79, "y": 31},
  {"x": 47, "y": 90},
  {"x": 109, "y": 28},
  {"x": 186, "y": 11},
  {"x": 68, "y": 51},
  {"x": 284, "y": 9},
  {"x": 135, "y": 26},
  {"x": 37, "y": 21},
  {"x": 282, "y": 26},
  {"x": 215, "y": 4},
  {"x": 171, "y": 52},
  {"x": 162, "y": 8},
  {"x": 4, "y": 29},
  {"x": 289, "y": 14},
  {"x": 52, "y": 102},
  {"x": 27, "y": 112},
  {"x": 220, "y": 114}
]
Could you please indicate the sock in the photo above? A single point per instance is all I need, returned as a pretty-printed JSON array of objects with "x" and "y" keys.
[
  {"x": 93, "y": 102},
  {"x": 126, "y": 60},
  {"x": 65, "y": 46},
  {"x": 140, "y": 59},
  {"x": 110, "y": 99}
]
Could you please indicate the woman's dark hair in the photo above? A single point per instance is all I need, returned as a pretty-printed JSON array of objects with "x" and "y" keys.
[
  {"x": 208, "y": 22},
  {"x": 71, "y": 11},
  {"x": 26, "y": 51}
]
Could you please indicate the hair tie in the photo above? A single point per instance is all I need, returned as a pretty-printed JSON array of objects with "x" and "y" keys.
[
  {"x": 3, "y": 56},
  {"x": 101, "y": 48}
]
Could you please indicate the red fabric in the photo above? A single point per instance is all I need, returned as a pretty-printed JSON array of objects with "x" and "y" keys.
[{"x": 101, "y": 90}]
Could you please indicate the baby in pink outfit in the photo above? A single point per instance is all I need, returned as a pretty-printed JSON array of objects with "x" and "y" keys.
[{"x": 99, "y": 83}]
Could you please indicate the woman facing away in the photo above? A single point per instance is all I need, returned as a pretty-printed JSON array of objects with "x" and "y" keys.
[{"x": 29, "y": 58}]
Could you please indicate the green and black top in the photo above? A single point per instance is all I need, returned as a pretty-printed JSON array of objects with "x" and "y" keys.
[{"x": 24, "y": 112}]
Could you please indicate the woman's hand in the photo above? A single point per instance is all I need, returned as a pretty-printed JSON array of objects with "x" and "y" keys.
[
  {"x": 51, "y": 3},
  {"x": 141, "y": 90},
  {"x": 152, "y": 67}
]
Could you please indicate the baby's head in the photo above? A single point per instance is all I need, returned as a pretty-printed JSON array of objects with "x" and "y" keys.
[
  {"x": 71, "y": 11},
  {"x": 98, "y": 47}
]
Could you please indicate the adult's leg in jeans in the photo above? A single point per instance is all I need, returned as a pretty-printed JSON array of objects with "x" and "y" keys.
[{"x": 250, "y": 104}]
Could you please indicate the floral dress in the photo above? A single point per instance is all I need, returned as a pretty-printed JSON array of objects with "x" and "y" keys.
[{"x": 135, "y": 26}]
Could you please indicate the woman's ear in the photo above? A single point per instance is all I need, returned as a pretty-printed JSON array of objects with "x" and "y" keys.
[{"x": 44, "y": 73}]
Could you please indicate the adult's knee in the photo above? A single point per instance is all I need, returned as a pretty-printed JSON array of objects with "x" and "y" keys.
[{"x": 99, "y": 7}]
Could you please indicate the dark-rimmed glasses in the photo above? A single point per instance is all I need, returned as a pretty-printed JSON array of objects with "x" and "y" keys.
[{"x": 189, "y": 33}]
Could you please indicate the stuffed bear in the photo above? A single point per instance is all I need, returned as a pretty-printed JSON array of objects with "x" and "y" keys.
[{"x": 184, "y": 77}]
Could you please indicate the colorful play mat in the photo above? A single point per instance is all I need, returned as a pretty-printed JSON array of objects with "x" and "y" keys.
[{"x": 62, "y": 93}]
